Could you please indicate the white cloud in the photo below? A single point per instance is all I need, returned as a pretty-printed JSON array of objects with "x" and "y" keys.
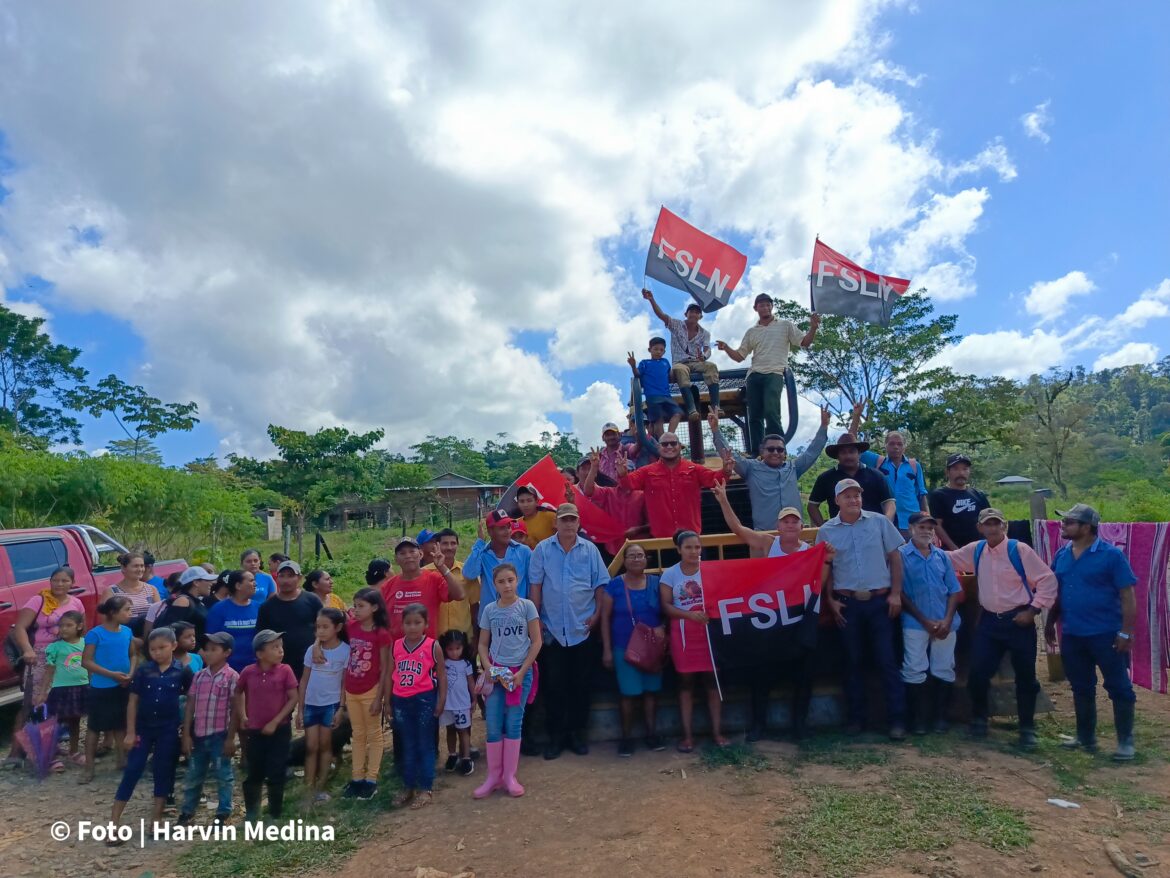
[
  {"x": 362, "y": 204},
  {"x": 1150, "y": 305},
  {"x": 993, "y": 157},
  {"x": 947, "y": 281},
  {"x": 882, "y": 69},
  {"x": 1009, "y": 353},
  {"x": 1128, "y": 354},
  {"x": 1037, "y": 121},
  {"x": 600, "y": 404},
  {"x": 1048, "y": 299}
]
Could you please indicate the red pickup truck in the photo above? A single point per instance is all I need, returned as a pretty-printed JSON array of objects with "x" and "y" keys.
[{"x": 28, "y": 558}]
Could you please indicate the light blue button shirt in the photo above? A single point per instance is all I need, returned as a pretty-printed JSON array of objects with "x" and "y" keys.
[
  {"x": 569, "y": 582},
  {"x": 905, "y": 481},
  {"x": 928, "y": 582},
  {"x": 860, "y": 563},
  {"x": 481, "y": 564}
]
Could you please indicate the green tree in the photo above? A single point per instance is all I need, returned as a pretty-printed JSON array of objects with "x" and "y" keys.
[
  {"x": 1053, "y": 423},
  {"x": 313, "y": 470},
  {"x": 139, "y": 415},
  {"x": 966, "y": 413},
  {"x": 853, "y": 361},
  {"x": 442, "y": 454},
  {"x": 144, "y": 451},
  {"x": 37, "y": 379}
]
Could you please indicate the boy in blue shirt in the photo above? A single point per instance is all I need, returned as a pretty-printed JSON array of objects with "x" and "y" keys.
[{"x": 654, "y": 376}]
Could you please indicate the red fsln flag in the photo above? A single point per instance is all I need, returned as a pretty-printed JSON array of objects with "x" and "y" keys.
[
  {"x": 763, "y": 609},
  {"x": 838, "y": 285},
  {"x": 683, "y": 257}
]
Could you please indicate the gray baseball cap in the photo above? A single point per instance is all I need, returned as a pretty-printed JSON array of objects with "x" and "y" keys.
[
  {"x": 1083, "y": 513},
  {"x": 265, "y": 637}
]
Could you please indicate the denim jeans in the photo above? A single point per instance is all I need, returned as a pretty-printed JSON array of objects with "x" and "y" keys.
[
  {"x": 505, "y": 721},
  {"x": 1083, "y": 655},
  {"x": 163, "y": 740},
  {"x": 993, "y": 637},
  {"x": 208, "y": 752},
  {"x": 763, "y": 391},
  {"x": 862, "y": 618},
  {"x": 415, "y": 725}
]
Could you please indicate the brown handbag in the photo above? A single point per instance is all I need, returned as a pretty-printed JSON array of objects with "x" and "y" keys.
[{"x": 646, "y": 650}]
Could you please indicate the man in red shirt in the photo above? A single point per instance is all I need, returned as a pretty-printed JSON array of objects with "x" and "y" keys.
[
  {"x": 673, "y": 488},
  {"x": 417, "y": 586}
]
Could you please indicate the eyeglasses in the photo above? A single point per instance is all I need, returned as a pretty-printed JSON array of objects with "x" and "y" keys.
[
  {"x": 773, "y": 449},
  {"x": 1070, "y": 521},
  {"x": 668, "y": 444}
]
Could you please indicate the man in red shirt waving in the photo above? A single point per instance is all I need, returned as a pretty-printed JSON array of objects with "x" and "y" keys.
[
  {"x": 673, "y": 488},
  {"x": 415, "y": 585}
]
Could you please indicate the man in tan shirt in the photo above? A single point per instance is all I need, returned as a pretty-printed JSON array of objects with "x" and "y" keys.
[{"x": 768, "y": 343}]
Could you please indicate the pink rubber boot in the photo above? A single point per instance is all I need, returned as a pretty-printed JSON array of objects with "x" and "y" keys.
[
  {"x": 495, "y": 769},
  {"x": 511, "y": 761}
]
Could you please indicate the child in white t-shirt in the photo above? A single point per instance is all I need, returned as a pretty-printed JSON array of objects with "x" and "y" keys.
[
  {"x": 320, "y": 698},
  {"x": 456, "y": 716}
]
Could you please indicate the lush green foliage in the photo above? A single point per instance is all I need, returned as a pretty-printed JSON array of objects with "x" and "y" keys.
[{"x": 173, "y": 512}]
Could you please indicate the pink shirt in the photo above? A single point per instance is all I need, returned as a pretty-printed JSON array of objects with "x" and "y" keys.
[
  {"x": 414, "y": 669},
  {"x": 46, "y": 631},
  {"x": 365, "y": 657},
  {"x": 265, "y": 693},
  {"x": 1000, "y": 587}
]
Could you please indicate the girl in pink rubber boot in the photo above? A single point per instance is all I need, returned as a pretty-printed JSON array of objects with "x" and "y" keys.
[{"x": 509, "y": 640}]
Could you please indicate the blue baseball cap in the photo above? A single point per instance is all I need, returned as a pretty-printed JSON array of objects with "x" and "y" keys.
[{"x": 424, "y": 536}]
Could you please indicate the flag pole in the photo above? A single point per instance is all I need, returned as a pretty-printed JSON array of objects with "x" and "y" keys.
[
  {"x": 812, "y": 304},
  {"x": 711, "y": 652}
]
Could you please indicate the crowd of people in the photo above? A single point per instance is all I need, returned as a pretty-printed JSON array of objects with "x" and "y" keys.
[{"x": 206, "y": 663}]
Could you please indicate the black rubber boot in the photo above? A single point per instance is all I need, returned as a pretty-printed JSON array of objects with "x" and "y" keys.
[
  {"x": 1086, "y": 712},
  {"x": 713, "y": 394},
  {"x": 1123, "y": 719},
  {"x": 916, "y": 707},
  {"x": 941, "y": 701}
]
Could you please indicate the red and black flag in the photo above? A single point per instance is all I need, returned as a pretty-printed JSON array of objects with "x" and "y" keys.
[
  {"x": 763, "y": 610},
  {"x": 552, "y": 489},
  {"x": 838, "y": 285},
  {"x": 683, "y": 257}
]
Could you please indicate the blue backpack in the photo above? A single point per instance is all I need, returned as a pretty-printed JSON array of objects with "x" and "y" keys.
[{"x": 1013, "y": 550}]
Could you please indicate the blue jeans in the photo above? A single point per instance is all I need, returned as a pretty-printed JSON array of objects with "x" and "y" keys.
[
  {"x": 870, "y": 618},
  {"x": 503, "y": 721},
  {"x": 414, "y": 723},
  {"x": 208, "y": 751},
  {"x": 993, "y": 637},
  {"x": 163, "y": 740},
  {"x": 1083, "y": 655}
]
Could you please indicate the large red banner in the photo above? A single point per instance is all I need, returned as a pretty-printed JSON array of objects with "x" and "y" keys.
[
  {"x": 690, "y": 260},
  {"x": 762, "y": 609}
]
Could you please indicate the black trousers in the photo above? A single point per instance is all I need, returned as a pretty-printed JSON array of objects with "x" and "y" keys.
[
  {"x": 566, "y": 681},
  {"x": 798, "y": 672},
  {"x": 267, "y": 762}
]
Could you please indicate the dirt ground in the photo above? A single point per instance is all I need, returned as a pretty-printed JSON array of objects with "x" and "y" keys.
[{"x": 668, "y": 814}]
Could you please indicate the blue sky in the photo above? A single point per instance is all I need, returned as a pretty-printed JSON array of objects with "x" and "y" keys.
[{"x": 1066, "y": 225}]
